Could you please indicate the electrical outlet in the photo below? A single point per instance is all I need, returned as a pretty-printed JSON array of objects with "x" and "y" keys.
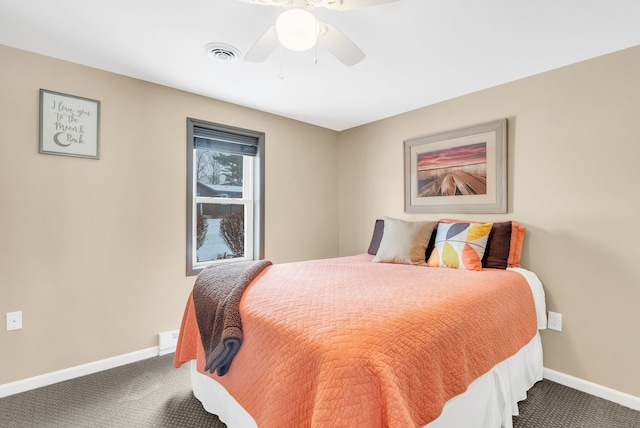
[
  {"x": 14, "y": 320},
  {"x": 554, "y": 322},
  {"x": 167, "y": 341}
]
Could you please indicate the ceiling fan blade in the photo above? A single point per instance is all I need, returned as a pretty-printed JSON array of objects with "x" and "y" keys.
[
  {"x": 340, "y": 46},
  {"x": 355, "y": 4},
  {"x": 329, "y": 4},
  {"x": 263, "y": 47}
]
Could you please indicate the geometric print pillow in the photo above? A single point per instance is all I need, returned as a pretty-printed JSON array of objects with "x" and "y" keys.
[{"x": 460, "y": 245}]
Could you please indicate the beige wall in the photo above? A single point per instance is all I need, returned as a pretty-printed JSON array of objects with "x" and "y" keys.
[
  {"x": 574, "y": 148},
  {"x": 92, "y": 251}
]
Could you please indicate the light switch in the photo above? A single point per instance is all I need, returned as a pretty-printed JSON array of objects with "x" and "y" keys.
[{"x": 14, "y": 320}]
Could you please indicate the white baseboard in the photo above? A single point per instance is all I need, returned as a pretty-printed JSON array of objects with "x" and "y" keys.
[
  {"x": 621, "y": 398},
  {"x": 77, "y": 371}
]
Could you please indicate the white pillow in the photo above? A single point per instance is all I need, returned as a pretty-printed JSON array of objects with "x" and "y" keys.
[{"x": 404, "y": 242}]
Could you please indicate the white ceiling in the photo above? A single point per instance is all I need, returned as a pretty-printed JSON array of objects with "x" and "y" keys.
[{"x": 418, "y": 52}]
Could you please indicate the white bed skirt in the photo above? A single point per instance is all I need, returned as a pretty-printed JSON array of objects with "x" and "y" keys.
[{"x": 489, "y": 402}]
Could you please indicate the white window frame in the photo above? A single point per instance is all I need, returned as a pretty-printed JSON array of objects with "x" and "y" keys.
[
  {"x": 246, "y": 201},
  {"x": 252, "y": 198}
]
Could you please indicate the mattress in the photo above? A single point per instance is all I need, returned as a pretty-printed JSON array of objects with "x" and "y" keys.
[{"x": 346, "y": 342}]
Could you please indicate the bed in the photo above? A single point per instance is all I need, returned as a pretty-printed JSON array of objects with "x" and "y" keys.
[{"x": 362, "y": 341}]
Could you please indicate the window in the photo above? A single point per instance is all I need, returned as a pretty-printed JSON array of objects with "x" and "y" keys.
[{"x": 225, "y": 188}]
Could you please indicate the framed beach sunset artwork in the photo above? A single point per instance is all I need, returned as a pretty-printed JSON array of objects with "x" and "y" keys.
[{"x": 458, "y": 171}]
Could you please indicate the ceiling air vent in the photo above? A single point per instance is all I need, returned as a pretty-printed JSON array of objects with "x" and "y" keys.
[{"x": 221, "y": 52}]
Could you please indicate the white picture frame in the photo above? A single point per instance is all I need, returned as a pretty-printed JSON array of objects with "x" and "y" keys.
[{"x": 69, "y": 125}]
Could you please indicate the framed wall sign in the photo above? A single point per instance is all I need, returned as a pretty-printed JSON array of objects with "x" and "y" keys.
[
  {"x": 69, "y": 125},
  {"x": 459, "y": 171}
]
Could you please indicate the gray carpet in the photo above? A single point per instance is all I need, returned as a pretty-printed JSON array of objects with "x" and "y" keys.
[
  {"x": 552, "y": 405},
  {"x": 151, "y": 393}
]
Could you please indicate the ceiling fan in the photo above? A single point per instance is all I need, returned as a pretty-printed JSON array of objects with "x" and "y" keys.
[{"x": 297, "y": 29}]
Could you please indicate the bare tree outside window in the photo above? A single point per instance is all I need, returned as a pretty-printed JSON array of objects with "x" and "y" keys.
[
  {"x": 202, "y": 226},
  {"x": 232, "y": 231},
  {"x": 209, "y": 169},
  {"x": 219, "y": 168}
]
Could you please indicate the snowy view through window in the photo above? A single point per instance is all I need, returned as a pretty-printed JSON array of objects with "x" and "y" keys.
[
  {"x": 220, "y": 221},
  {"x": 213, "y": 243}
]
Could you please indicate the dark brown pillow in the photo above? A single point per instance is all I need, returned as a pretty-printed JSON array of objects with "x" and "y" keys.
[
  {"x": 378, "y": 229},
  {"x": 432, "y": 244},
  {"x": 496, "y": 254}
]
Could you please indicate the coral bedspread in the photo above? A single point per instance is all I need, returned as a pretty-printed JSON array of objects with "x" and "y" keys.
[{"x": 350, "y": 343}]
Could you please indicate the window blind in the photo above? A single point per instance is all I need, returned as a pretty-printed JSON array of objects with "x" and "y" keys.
[{"x": 221, "y": 141}]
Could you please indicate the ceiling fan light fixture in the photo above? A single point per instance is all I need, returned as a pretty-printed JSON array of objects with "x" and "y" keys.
[{"x": 297, "y": 29}]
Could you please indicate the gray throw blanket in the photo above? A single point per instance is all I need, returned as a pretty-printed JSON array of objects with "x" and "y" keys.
[{"x": 216, "y": 297}]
